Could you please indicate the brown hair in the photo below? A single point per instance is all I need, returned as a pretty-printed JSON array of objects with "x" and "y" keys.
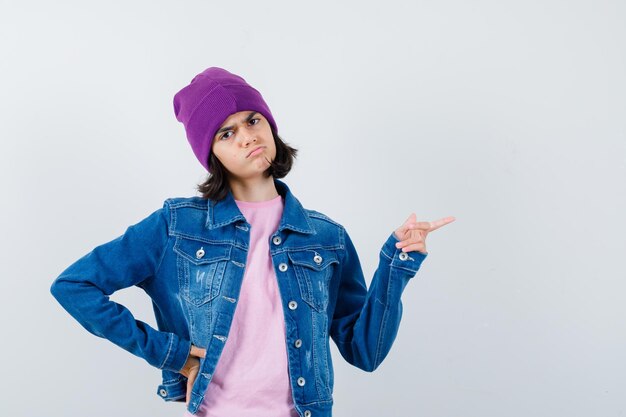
[{"x": 216, "y": 185}]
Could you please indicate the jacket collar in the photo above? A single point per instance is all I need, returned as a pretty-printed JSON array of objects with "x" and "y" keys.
[{"x": 295, "y": 217}]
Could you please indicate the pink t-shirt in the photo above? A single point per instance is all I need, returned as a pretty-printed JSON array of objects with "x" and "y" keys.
[{"x": 251, "y": 378}]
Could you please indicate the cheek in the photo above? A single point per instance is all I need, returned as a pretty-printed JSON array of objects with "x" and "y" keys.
[{"x": 226, "y": 156}]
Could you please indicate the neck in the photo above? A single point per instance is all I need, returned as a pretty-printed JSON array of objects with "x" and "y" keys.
[{"x": 253, "y": 190}]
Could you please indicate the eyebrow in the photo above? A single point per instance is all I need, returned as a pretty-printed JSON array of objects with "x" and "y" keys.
[{"x": 225, "y": 128}]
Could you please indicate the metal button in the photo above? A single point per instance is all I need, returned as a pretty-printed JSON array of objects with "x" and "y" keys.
[
  {"x": 403, "y": 256},
  {"x": 282, "y": 267},
  {"x": 298, "y": 343},
  {"x": 277, "y": 240},
  {"x": 162, "y": 392},
  {"x": 200, "y": 252},
  {"x": 307, "y": 413},
  {"x": 293, "y": 305},
  {"x": 301, "y": 381},
  {"x": 317, "y": 259}
]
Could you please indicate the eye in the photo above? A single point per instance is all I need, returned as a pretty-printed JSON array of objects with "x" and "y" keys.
[{"x": 224, "y": 135}]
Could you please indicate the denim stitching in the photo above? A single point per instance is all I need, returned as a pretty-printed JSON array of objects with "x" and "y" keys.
[
  {"x": 383, "y": 323},
  {"x": 172, "y": 380},
  {"x": 394, "y": 264},
  {"x": 387, "y": 256},
  {"x": 314, "y": 352},
  {"x": 326, "y": 363},
  {"x": 318, "y": 215},
  {"x": 169, "y": 349},
  {"x": 166, "y": 242},
  {"x": 329, "y": 247},
  {"x": 202, "y": 239},
  {"x": 180, "y": 266},
  {"x": 189, "y": 204},
  {"x": 173, "y": 217},
  {"x": 330, "y": 401},
  {"x": 342, "y": 258}
]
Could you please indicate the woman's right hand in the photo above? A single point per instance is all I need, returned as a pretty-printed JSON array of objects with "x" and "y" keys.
[{"x": 191, "y": 368}]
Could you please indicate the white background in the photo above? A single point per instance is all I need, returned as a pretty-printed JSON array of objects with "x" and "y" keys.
[{"x": 508, "y": 115}]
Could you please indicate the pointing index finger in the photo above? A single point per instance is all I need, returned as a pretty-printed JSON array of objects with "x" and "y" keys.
[{"x": 441, "y": 222}]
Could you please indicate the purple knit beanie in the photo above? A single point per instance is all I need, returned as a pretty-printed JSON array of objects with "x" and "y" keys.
[{"x": 210, "y": 98}]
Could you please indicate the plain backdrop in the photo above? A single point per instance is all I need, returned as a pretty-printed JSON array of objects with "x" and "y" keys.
[{"x": 508, "y": 115}]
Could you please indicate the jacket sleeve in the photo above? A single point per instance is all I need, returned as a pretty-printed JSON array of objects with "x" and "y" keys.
[
  {"x": 365, "y": 322},
  {"x": 83, "y": 289}
]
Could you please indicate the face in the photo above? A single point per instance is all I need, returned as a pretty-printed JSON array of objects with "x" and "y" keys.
[{"x": 241, "y": 133}]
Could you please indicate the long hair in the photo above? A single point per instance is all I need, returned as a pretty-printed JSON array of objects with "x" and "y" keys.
[{"x": 216, "y": 185}]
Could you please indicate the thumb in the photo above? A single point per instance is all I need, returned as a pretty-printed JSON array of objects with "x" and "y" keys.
[
  {"x": 401, "y": 231},
  {"x": 411, "y": 218},
  {"x": 198, "y": 352},
  {"x": 193, "y": 373}
]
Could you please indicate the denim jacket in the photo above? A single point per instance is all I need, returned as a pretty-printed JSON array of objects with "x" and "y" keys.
[{"x": 189, "y": 257}]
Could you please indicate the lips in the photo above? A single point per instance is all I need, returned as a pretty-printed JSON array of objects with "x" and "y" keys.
[{"x": 254, "y": 150}]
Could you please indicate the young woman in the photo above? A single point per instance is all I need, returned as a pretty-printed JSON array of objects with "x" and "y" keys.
[{"x": 247, "y": 285}]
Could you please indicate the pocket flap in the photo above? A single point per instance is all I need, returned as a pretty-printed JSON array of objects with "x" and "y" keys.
[
  {"x": 200, "y": 252},
  {"x": 316, "y": 259}
]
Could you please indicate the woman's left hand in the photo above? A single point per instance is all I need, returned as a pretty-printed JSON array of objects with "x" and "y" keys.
[{"x": 412, "y": 234}]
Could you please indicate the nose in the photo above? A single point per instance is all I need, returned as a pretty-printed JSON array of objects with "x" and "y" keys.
[{"x": 246, "y": 138}]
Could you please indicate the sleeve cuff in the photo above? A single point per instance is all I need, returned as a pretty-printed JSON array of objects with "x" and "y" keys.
[
  {"x": 177, "y": 354},
  {"x": 410, "y": 261}
]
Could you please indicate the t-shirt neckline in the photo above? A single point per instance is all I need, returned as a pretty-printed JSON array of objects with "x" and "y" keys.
[{"x": 271, "y": 202}]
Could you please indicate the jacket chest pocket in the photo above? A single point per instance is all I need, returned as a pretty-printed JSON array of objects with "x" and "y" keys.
[
  {"x": 314, "y": 269},
  {"x": 201, "y": 268}
]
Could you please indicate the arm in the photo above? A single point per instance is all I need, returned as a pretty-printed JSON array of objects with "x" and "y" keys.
[
  {"x": 84, "y": 287},
  {"x": 365, "y": 322}
]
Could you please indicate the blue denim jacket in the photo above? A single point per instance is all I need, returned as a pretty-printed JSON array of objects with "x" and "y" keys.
[{"x": 189, "y": 256}]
